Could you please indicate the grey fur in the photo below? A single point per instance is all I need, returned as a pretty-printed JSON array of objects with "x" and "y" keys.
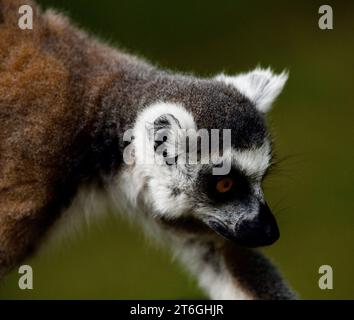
[{"x": 213, "y": 104}]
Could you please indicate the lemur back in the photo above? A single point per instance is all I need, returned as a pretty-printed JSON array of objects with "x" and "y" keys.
[
  {"x": 51, "y": 80},
  {"x": 66, "y": 100}
]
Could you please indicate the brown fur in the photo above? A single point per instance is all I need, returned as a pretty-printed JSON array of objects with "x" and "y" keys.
[{"x": 48, "y": 102}]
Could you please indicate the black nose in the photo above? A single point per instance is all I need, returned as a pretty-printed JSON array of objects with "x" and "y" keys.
[{"x": 261, "y": 230}]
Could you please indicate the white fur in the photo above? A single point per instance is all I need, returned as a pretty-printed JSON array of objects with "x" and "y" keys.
[
  {"x": 253, "y": 161},
  {"x": 261, "y": 86},
  {"x": 86, "y": 208},
  {"x": 143, "y": 142},
  {"x": 147, "y": 172},
  {"x": 217, "y": 283}
]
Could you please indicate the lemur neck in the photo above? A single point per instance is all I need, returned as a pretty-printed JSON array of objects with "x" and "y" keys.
[{"x": 134, "y": 85}]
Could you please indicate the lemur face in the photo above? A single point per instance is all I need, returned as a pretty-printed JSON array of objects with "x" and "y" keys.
[{"x": 219, "y": 187}]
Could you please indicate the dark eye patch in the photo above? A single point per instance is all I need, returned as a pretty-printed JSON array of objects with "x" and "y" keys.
[{"x": 239, "y": 191}]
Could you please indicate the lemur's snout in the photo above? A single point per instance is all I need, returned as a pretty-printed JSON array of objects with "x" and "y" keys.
[
  {"x": 259, "y": 230},
  {"x": 262, "y": 230}
]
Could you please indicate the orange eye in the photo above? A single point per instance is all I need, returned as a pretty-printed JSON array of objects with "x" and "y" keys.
[{"x": 224, "y": 185}]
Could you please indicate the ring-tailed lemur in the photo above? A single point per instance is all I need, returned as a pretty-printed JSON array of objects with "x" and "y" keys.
[{"x": 66, "y": 101}]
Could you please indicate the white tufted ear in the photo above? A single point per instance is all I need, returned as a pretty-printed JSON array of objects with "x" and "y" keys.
[
  {"x": 261, "y": 86},
  {"x": 157, "y": 129}
]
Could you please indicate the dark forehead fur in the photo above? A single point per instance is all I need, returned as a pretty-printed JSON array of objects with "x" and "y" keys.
[{"x": 213, "y": 104}]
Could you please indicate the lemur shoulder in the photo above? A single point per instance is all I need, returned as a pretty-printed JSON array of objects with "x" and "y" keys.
[{"x": 66, "y": 100}]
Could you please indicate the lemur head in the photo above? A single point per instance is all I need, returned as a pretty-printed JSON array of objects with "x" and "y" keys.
[{"x": 177, "y": 172}]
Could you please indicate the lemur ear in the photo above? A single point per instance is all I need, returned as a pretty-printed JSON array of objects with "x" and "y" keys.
[
  {"x": 167, "y": 136},
  {"x": 261, "y": 86},
  {"x": 165, "y": 131},
  {"x": 158, "y": 129}
]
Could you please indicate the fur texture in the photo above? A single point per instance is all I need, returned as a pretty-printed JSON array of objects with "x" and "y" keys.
[
  {"x": 66, "y": 102},
  {"x": 261, "y": 86}
]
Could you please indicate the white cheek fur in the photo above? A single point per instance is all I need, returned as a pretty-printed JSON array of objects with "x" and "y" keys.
[{"x": 146, "y": 176}]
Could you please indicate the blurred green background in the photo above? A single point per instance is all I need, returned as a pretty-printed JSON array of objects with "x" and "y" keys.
[{"x": 311, "y": 191}]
